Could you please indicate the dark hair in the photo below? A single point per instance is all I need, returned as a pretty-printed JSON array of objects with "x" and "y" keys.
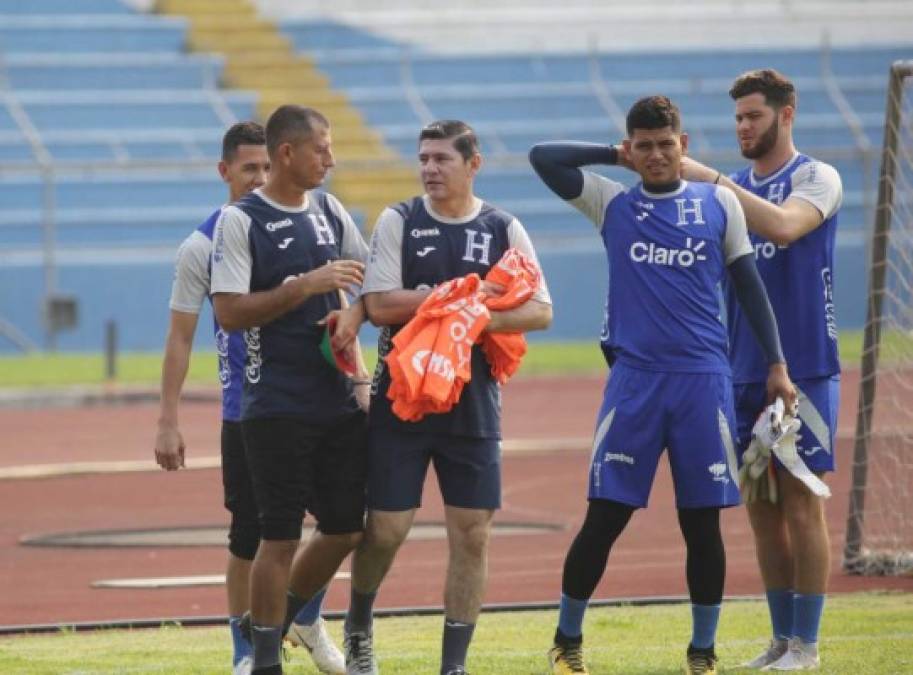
[
  {"x": 242, "y": 133},
  {"x": 777, "y": 89},
  {"x": 464, "y": 137},
  {"x": 292, "y": 123},
  {"x": 653, "y": 112}
]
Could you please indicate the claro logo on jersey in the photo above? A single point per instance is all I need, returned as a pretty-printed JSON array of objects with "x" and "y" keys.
[{"x": 652, "y": 254}]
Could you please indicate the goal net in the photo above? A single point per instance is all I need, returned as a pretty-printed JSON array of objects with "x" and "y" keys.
[{"x": 879, "y": 537}]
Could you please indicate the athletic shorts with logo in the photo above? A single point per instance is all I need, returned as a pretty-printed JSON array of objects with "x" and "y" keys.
[
  {"x": 645, "y": 412},
  {"x": 819, "y": 402},
  {"x": 468, "y": 469},
  {"x": 297, "y": 468}
]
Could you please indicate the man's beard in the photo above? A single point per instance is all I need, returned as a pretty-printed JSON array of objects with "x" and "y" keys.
[{"x": 766, "y": 143}]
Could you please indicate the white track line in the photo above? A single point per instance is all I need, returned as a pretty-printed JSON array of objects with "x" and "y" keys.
[{"x": 24, "y": 471}]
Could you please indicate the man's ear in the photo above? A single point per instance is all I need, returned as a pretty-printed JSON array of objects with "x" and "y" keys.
[
  {"x": 223, "y": 170},
  {"x": 684, "y": 140}
]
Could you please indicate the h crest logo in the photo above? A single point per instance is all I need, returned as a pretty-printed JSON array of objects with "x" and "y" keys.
[
  {"x": 694, "y": 210},
  {"x": 775, "y": 192},
  {"x": 472, "y": 246},
  {"x": 322, "y": 229}
]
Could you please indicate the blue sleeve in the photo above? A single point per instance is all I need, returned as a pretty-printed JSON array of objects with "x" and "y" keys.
[
  {"x": 753, "y": 300},
  {"x": 558, "y": 164}
]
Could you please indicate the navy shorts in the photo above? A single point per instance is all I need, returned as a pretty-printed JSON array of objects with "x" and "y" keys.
[
  {"x": 819, "y": 402},
  {"x": 644, "y": 412},
  {"x": 297, "y": 467},
  {"x": 244, "y": 531},
  {"x": 468, "y": 469}
]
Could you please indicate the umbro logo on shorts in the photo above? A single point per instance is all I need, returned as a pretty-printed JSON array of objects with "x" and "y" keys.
[
  {"x": 719, "y": 472},
  {"x": 425, "y": 251},
  {"x": 285, "y": 242}
]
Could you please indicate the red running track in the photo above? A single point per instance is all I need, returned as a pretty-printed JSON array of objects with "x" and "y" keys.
[{"x": 48, "y": 585}]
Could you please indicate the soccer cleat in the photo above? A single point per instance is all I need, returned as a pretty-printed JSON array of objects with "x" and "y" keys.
[
  {"x": 800, "y": 656},
  {"x": 566, "y": 659},
  {"x": 244, "y": 666},
  {"x": 774, "y": 651},
  {"x": 701, "y": 661},
  {"x": 359, "y": 648},
  {"x": 318, "y": 642},
  {"x": 457, "y": 671}
]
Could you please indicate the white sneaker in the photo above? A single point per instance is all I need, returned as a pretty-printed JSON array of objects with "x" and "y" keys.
[
  {"x": 800, "y": 656},
  {"x": 244, "y": 666},
  {"x": 774, "y": 651},
  {"x": 316, "y": 639},
  {"x": 360, "y": 659}
]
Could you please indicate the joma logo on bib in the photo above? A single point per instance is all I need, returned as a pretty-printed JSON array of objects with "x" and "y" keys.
[{"x": 652, "y": 254}]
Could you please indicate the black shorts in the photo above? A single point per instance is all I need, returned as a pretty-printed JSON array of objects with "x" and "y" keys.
[
  {"x": 468, "y": 469},
  {"x": 298, "y": 468},
  {"x": 244, "y": 532}
]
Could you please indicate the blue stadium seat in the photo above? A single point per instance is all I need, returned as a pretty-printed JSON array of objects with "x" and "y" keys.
[
  {"x": 148, "y": 70},
  {"x": 82, "y": 34}
]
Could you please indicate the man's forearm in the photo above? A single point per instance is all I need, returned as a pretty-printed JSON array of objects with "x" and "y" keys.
[
  {"x": 174, "y": 371},
  {"x": 393, "y": 308},
  {"x": 755, "y": 304},
  {"x": 762, "y": 217},
  {"x": 558, "y": 164},
  {"x": 531, "y": 315},
  {"x": 245, "y": 310}
]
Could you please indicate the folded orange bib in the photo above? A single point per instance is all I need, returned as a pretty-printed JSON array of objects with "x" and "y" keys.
[{"x": 431, "y": 358}]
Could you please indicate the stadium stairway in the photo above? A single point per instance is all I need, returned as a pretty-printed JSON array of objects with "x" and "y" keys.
[{"x": 370, "y": 174}]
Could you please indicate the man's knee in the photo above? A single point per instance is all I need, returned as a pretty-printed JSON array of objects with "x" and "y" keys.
[
  {"x": 386, "y": 531},
  {"x": 469, "y": 536},
  {"x": 343, "y": 542},
  {"x": 243, "y": 537},
  {"x": 277, "y": 550}
]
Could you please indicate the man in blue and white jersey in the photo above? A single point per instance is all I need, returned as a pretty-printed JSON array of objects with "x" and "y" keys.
[
  {"x": 669, "y": 245},
  {"x": 280, "y": 255},
  {"x": 244, "y": 166},
  {"x": 791, "y": 203}
]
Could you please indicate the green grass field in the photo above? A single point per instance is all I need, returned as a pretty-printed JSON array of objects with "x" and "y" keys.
[
  {"x": 543, "y": 358},
  {"x": 863, "y": 633}
]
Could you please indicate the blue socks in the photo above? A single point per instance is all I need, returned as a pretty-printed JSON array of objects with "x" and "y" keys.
[
  {"x": 240, "y": 646},
  {"x": 570, "y": 616},
  {"x": 704, "y": 622},
  {"x": 780, "y": 603},
  {"x": 308, "y": 614},
  {"x": 807, "y": 610}
]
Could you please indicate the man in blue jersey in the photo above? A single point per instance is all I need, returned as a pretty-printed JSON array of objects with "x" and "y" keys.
[
  {"x": 791, "y": 203},
  {"x": 244, "y": 166},
  {"x": 446, "y": 233},
  {"x": 669, "y": 244}
]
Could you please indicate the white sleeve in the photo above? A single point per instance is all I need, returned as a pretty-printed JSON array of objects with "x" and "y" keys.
[
  {"x": 597, "y": 192},
  {"x": 231, "y": 259},
  {"x": 353, "y": 243},
  {"x": 518, "y": 238},
  {"x": 384, "y": 270},
  {"x": 819, "y": 184},
  {"x": 191, "y": 274},
  {"x": 736, "y": 242}
]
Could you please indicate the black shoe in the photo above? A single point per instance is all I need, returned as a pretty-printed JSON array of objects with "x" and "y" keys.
[{"x": 701, "y": 661}]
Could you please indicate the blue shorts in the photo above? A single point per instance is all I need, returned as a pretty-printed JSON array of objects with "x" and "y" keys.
[
  {"x": 645, "y": 412},
  {"x": 819, "y": 401},
  {"x": 468, "y": 469}
]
